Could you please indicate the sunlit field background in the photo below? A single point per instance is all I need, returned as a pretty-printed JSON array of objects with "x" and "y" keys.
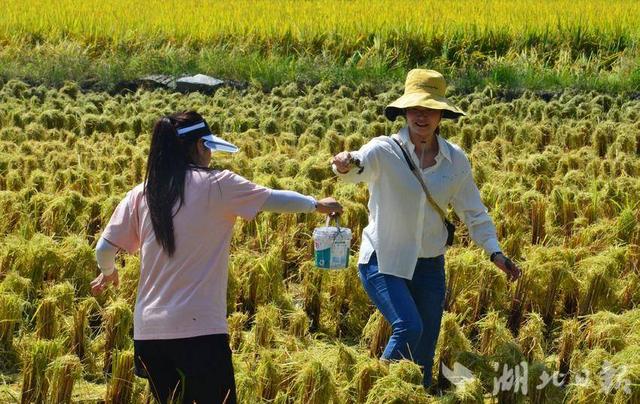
[{"x": 553, "y": 133}]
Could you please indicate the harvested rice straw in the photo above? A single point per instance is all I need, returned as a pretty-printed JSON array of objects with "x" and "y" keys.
[
  {"x": 237, "y": 322},
  {"x": 298, "y": 323},
  {"x": 11, "y": 308},
  {"x": 391, "y": 389},
  {"x": 35, "y": 386},
  {"x": 493, "y": 333},
  {"x": 118, "y": 321},
  {"x": 63, "y": 373},
  {"x": 531, "y": 338},
  {"x": 46, "y": 318},
  {"x": 267, "y": 321},
  {"x": 452, "y": 341},
  {"x": 566, "y": 344},
  {"x": 267, "y": 376},
  {"x": 120, "y": 387},
  {"x": 315, "y": 384},
  {"x": 376, "y": 334},
  {"x": 367, "y": 372}
]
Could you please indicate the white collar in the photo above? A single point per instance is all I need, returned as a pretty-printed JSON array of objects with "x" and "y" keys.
[{"x": 406, "y": 140}]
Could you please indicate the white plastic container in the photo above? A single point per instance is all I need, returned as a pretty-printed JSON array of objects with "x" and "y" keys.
[{"x": 331, "y": 245}]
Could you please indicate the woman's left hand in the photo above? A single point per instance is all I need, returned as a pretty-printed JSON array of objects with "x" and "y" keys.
[
  {"x": 99, "y": 284},
  {"x": 512, "y": 270}
]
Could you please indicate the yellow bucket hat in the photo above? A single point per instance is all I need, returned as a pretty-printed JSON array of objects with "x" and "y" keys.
[{"x": 423, "y": 88}]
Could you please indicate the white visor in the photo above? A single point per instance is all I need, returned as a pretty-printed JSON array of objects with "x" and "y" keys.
[{"x": 218, "y": 144}]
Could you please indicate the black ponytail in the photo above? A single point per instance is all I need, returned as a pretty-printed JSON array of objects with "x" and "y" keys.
[{"x": 169, "y": 159}]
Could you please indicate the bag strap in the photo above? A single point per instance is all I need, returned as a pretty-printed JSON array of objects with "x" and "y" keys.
[{"x": 418, "y": 176}]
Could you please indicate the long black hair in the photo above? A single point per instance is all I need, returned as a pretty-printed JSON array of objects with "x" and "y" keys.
[{"x": 169, "y": 159}]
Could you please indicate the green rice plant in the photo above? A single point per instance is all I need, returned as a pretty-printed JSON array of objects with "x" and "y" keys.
[
  {"x": 375, "y": 334},
  {"x": 35, "y": 386},
  {"x": 63, "y": 295},
  {"x": 80, "y": 333},
  {"x": 37, "y": 258},
  {"x": 596, "y": 284},
  {"x": 566, "y": 344},
  {"x": 11, "y": 204},
  {"x": 266, "y": 323},
  {"x": 589, "y": 388},
  {"x": 531, "y": 338},
  {"x": 366, "y": 374},
  {"x": 625, "y": 385},
  {"x": 538, "y": 213},
  {"x": 62, "y": 374},
  {"x": 12, "y": 307},
  {"x": 268, "y": 377},
  {"x": 315, "y": 384},
  {"x": 236, "y": 323},
  {"x": 551, "y": 393},
  {"x": 391, "y": 389},
  {"x": 117, "y": 323},
  {"x": 120, "y": 387},
  {"x": 469, "y": 391},
  {"x": 629, "y": 295},
  {"x": 493, "y": 333},
  {"x": 346, "y": 362},
  {"x": 626, "y": 224},
  {"x": 518, "y": 304},
  {"x": 452, "y": 342},
  {"x": 312, "y": 304},
  {"x": 14, "y": 283},
  {"x": 508, "y": 356},
  {"x": 298, "y": 323},
  {"x": 47, "y": 319},
  {"x": 563, "y": 210},
  {"x": 605, "y": 330},
  {"x": 64, "y": 214},
  {"x": 406, "y": 371}
]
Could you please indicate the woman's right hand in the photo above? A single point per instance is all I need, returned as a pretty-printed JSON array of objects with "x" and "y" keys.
[
  {"x": 342, "y": 162},
  {"x": 328, "y": 206},
  {"x": 99, "y": 284}
]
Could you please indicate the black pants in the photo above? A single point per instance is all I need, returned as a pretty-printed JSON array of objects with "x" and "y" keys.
[{"x": 188, "y": 370}]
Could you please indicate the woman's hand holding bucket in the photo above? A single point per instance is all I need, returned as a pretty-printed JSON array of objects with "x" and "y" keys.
[{"x": 328, "y": 206}]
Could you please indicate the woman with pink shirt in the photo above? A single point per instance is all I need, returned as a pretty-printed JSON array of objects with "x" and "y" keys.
[{"x": 181, "y": 220}]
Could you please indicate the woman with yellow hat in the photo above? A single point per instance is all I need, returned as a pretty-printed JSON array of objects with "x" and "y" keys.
[{"x": 413, "y": 176}]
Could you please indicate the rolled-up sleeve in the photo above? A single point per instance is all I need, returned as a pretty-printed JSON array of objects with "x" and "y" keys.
[
  {"x": 469, "y": 207},
  {"x": 368, "y": 156},
  {"x": 123, "y": 228}
]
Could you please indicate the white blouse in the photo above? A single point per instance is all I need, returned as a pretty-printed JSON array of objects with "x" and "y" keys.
[{"x": 402, "y": 223}]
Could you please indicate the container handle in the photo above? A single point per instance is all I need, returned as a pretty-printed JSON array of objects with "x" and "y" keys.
[{"x": 336, "y": 218}]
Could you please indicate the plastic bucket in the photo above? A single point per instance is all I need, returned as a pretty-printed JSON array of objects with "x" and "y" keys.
[{"x": 331, "y": 245}]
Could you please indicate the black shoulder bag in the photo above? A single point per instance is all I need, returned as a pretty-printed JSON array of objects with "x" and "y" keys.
[{"x": 451, "y": 228}]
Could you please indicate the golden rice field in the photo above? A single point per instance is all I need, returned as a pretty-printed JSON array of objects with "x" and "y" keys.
[
  {"x": 590, "y": 43},
  {"x": 289, "y": 22},
  {"x": 560, "y": 173}
]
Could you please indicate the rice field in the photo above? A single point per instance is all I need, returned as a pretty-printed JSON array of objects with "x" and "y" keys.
[
  {"x": 553, "y": 132},
  {"x": 558, "y": 171},
  {"x": 591, "y": 43}
]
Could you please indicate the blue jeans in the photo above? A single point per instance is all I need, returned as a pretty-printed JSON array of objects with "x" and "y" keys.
[{"x": 412, "y": 307}]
